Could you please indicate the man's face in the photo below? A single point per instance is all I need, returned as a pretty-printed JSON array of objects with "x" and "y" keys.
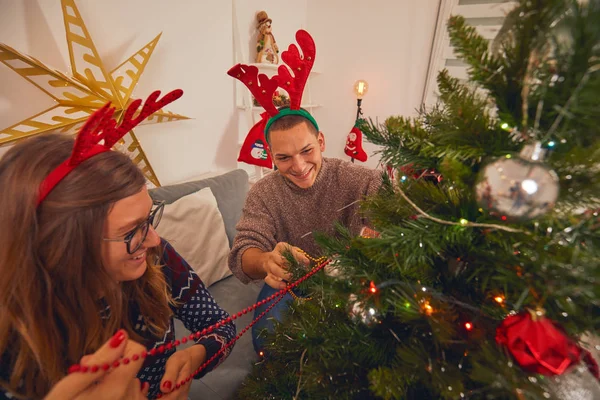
[{"x": 297, "y": 154}]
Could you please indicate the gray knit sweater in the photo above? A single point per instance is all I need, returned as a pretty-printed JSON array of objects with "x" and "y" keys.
[{"x": 276, "y": 210}]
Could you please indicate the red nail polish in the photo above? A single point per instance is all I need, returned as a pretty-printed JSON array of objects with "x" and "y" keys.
[{"x": 117, "y": 339}]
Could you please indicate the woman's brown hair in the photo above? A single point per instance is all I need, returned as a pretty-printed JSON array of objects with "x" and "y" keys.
[{"x": 54, "y": 289}]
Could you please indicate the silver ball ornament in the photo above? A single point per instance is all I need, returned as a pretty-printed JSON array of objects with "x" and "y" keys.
[
  {"x": 359, "y": 313},
  {"x": 577, "y": 383},
  {"x": 518, "y": 188}
]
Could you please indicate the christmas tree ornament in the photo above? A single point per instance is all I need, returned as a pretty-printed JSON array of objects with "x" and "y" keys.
[
  {"x": 577, "y": 383},
  {"x": 518, "y": 188},
  {"x": 539, "y": 346},
  {"x": 368, "y": 233},
  {"x": 353, "y": 146},
  {"x": 334, "y": 269},
  {"x": 360, "y": 313},
  {"x": 89, "y": 88},
  {"x": 409, "y": 171}
]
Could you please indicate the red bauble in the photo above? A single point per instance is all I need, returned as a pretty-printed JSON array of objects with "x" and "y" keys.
[{"x": 538, "y": 345}]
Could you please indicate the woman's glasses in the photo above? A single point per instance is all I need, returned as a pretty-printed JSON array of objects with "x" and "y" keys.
[{"x": 136, "y": 237}]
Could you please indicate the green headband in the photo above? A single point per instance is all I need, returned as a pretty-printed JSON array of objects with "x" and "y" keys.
[{"x": 288, "y": 111}]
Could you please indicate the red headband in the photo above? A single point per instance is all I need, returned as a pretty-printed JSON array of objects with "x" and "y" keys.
[
  {"x": 263, "y": 88},
  {"x": 100, "y": 127}
]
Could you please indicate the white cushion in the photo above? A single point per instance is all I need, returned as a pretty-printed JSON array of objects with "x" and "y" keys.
[{"x": 194, "y": 227}]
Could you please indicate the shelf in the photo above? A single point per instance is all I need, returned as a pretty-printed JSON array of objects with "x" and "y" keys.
[
  {"x": 260, "y": 109},
  {"x": 274, "y": 67}
]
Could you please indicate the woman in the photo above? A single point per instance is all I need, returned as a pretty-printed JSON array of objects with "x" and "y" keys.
[{"x": 80, "y": 259}]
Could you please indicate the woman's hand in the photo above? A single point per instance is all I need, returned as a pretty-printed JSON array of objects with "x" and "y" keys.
[
  {"x": 178, "y": 368},
  {"x": 119, "y": 384}
]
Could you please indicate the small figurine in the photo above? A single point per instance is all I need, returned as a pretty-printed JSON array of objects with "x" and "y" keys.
[{"x": 267, "y": 49}]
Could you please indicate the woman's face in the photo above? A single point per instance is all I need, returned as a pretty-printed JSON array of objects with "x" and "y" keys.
[{"x": 126, "y": 215}]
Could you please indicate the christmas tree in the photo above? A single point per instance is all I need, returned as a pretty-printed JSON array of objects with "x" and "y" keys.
[{"x": 483, "y": 280}]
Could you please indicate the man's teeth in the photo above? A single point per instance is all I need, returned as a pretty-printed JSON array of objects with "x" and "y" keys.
[{"x": 139, "y": 257}]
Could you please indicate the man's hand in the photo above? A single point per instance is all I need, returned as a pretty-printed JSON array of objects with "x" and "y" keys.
[{"x": 276, "y": 265}]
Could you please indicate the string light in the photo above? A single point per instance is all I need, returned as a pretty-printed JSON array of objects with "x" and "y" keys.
[
  {"x": 463, "y": 221},
  {"x": 468, "y": 326},
  {"x": 261, "y": 353},
  {"x": 499, "y": 299},
  {"x": 551, "y": 143},
  {"x": 508, "y": 156},
  {"x": 427, "y": 309},
  {"x": 407, "y": 305},
  {"x": 505, "y": 126},
  {"x": 372, "y": 288}
]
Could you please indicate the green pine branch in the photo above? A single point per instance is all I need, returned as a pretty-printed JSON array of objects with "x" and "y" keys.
[{"x": 441, "y": 290}]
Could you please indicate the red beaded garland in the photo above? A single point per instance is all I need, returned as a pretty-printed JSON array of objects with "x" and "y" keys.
[{"x": 275, "y": 298}]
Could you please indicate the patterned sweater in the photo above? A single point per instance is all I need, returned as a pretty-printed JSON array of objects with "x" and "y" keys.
[
  {"x": 197, "y": 310},
  {"x": 277, "y": 210}
]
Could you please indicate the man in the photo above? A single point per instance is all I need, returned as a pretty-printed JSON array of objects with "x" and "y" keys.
[{"x": 307, "y": 193}]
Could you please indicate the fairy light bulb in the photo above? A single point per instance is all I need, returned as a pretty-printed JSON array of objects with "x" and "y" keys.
[
  {"x": 499, "y": 299},
  {"x": 372, "y": 288},
  {"x": 427, "y": 309},
  {"x": 361, "y": 88},
  {"x": 468, "y": 326}
]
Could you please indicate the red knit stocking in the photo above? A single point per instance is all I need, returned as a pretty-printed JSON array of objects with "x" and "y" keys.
[{"x": 354, "y": 145}]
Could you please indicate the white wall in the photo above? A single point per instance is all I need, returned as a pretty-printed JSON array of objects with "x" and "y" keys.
[
  {"x": 385, "y": 42},
  {"x": 194, "y": 53},
  {"x": 390, "y": 50}
]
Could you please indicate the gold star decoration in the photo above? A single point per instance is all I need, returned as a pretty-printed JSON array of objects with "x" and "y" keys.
[{"x": 90, "y": 87}]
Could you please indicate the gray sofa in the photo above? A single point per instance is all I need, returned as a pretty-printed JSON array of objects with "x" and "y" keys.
[{"x": 230, "y": 191}]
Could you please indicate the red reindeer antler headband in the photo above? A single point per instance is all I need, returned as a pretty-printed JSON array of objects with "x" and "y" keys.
[
  {"x": 263, "y": 87},
  {"x": 100, "y": 127}
]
